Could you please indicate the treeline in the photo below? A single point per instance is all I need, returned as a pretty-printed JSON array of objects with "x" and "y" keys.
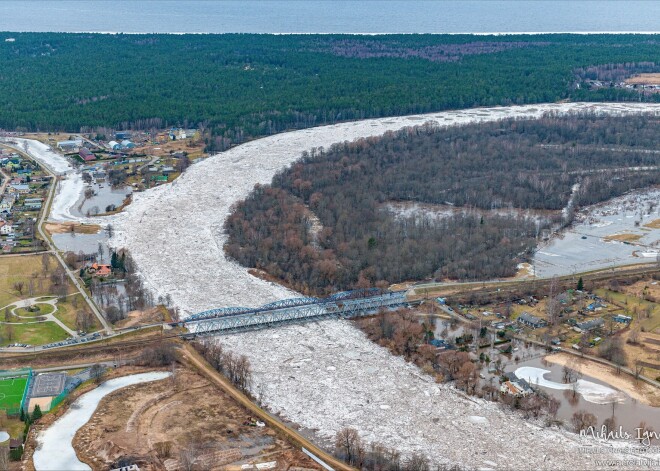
[
  {"x": 323, "y": 225},
  {"x": 240, "y": 86}
]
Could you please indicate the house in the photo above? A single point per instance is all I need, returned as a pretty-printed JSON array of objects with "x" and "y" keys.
[
  {"x": 33, "y": 205},
  {"x": 532, "y": 321},
  {"x": 595, "y": 306},
  {"x": 167, "y": 170},
  {"x": 7, "y": 229},
  {"x": 590, "y": 324},
  {"x": 21, "y": 188},
  {"x": 114, "y": 145},
  {"x": 69, "y": 146},
  {"x": 514, "y": 388},
  {"x": 86, "y": 154},
  {"x": 98, "y": 269},
  {"x": 440, "y": 344},
  {"x": 126, "y": 144},
  {"x": 622, "y": 319},
  {"x": 122, "y": 135}
]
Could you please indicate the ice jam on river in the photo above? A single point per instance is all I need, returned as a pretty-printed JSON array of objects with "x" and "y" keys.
[
  {"x": 328, "y": 375},
  {"x": 55, "y": 450}
]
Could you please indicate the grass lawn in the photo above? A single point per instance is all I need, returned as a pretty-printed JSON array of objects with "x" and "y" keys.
[
  {"x": 11, "y": 393},
  {"x": 17, "y": 269},
  {"x": 32, "y": 334},
  {"x": 67, "y": 313},
  {"x": 635, "y": 307},
  {"x": 43, "y": 309}
]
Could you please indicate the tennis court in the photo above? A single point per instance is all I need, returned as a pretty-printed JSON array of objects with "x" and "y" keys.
[{"x": 11, "y": 393}]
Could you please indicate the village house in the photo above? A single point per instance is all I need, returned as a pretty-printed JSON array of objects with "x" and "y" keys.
[
  {"x": 7, "y": 229},
  {"x": 590, "y": 324},
  {"x": 21, "y": 188},
  {"x": 531, "y": 321},
  {"x": 515, "y": 386},
  {"x": 97, "y": 269},
  {"x": 622, "y": 319}
]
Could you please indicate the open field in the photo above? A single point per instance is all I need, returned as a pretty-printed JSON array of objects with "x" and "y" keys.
[
  {"x": 624, "y": 237},
  {"x": 160, "y": 421},
  {"x": 644, "y": 79},
  {"x": 23, "y": 269},
  {"x": 655, "y": 224},
  {"x": 38, "y": 333},
  {"x": 11, "y": 392},
  {"x": 67, "y": 312},
  {"x": 68, "y": 227}
]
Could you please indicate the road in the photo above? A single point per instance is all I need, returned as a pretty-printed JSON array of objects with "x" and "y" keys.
[
  {"x": 202, "y": 365},
  {"x": 5, "y": 182},
  {"x": 107, "y": 364},
  {"x": 602, "y": 361},
  {"x": 53, "y": 249}
]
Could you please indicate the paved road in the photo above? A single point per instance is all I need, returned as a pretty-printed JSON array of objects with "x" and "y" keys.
[
  {"x": 53, "y": 249},
  {"x": 107, "y": 364}
]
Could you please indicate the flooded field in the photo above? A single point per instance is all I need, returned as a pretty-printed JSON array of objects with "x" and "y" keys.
[{"x": 622, "y": 231}]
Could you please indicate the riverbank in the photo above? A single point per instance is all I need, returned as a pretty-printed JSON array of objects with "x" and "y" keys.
[{"x": 639, "y": 390}]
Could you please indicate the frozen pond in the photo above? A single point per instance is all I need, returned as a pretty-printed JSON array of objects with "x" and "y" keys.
[
  {"x": 54, "y": 449},
  {"x": 86, "y": 243},
  {"x": 592, "y": 392},
  {"x": 104, "y": 195},
  {"x": 585, "y": 246}
]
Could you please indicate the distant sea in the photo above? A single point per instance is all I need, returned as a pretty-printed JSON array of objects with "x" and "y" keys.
[{"x": 330, "y": 16}]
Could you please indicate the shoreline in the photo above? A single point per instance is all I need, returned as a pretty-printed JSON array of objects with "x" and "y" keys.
[
  {"x": 227, "y": 33},
  {"x": 640, "y": 391}
]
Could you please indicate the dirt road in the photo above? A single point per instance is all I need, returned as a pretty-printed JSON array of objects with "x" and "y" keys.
[{"x": 202, "y": 365}]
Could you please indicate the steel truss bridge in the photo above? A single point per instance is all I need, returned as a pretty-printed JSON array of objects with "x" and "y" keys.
[{"x": 347, "y": 304}]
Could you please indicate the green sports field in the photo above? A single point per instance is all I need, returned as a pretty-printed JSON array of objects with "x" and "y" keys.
[{"x": 11, "y": 393}]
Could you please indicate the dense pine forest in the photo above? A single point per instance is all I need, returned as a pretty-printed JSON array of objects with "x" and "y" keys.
[
  {"x": 327, "y": 223},
  {"x": 241, "y": 86}
]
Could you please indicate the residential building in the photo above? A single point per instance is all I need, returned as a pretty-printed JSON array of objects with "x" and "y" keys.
[
  {"x": 532, "y": 321},
  {"x": 590, "y": 324},
  {"x": 622, "y": 319}
]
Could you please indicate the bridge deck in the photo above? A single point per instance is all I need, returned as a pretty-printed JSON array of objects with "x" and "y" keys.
[{"x": 290, "y": 311}]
